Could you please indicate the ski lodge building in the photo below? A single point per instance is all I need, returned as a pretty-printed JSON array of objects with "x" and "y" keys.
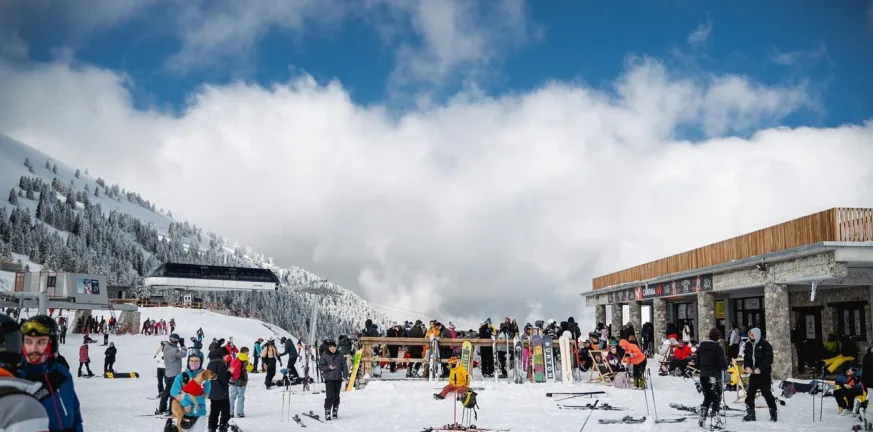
[{"x": 816, "y": 271}]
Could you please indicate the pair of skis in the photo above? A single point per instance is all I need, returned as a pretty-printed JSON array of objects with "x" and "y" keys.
[
  {"x": 630, "y": 420},
  {"x": 310, "y": 414}
]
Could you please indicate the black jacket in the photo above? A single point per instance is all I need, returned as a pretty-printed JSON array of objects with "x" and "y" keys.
[
  {"x": 867, "y": 369},
  {"x": 485, "y": 331},
  {"x": 339, "y": 372},
  {"x": 709, "y": 359},
  {"x": 110, "y": 354},
  {"x": 290, "y": 349},
  {"x": 758, "y": 356},
  {"x": 219, "y": 390}
]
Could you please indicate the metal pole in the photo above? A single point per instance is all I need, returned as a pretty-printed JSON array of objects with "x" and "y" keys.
[{"x": 43, "y": 303}]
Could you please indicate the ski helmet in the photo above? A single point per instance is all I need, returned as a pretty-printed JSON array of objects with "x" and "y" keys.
[
  {"x": 42, "y": 325},
  {"x": 10, "y": 342}
]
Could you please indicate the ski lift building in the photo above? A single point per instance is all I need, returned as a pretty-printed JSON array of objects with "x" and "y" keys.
[{"x": 192, "y": 277}]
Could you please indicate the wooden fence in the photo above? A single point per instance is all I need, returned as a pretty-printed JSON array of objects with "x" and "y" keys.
[{"x": 836, "y": 224}]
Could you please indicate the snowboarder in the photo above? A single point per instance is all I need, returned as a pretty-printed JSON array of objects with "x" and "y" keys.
[
  {"x": 459, "y": 380},
  {"x": 334, "y": 371},
  {"x": 757, "y": 360},
  {"x": 21, "y": 412},
  {"x": 710, "y": 361},
  {"x": 109, "y": 360},
  {"x": 58, "y": 395}
]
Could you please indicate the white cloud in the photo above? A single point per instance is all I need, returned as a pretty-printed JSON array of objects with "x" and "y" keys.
[
  {"x": 700, "y": 35},
  {"x": 802, "y": 58},
  {"x": 479, "y": 207}
]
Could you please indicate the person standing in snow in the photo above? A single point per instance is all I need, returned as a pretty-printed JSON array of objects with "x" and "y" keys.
[
  {"x": 57, "y": 395},
  {"x": 195, "y": 366},
  {"x": 105, "y": 335},
  {"x": 269, "y": 354},
  {"x": 256, "y": 354},
  {"x": 239, "y": 379},
  {"x": 334, "y": 371},
  {"x": 634, "y": 357},
  {"x": 219, "y": 395},
  {"x": 21, "y": 411},
  {"x": 85, "y": 358},
  {"x": 291, "y": 350},
  {"x": 757, "y": 361},
  {"x": 159, "y": 359},
  {"x": 394, "y": 332},
  {"x": 109, "y": 360},
  {"x": 173, "y": 351},
  {"x": 710, "y": 361}
]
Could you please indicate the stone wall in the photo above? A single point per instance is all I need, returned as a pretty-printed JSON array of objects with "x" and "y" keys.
[
  {"x": 636, "y": 316},
  {"x": 829, "y": 315},
  {"x": 600, "y": 314},
  {"x": 659, "y": 313},
  {"x": 83, "y": 314},
  {"x": 705, "y": 314},
  {"x": 821, "y": 265},
  {"x": 129, "y": 322},
  {"x": 616, "y": 318},
  {"x": 777, "y": 315}
]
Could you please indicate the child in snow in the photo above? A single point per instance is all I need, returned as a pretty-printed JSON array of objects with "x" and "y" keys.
[
  {"x": 458, "y": 380},
  {"x": 614, "y": 359}
]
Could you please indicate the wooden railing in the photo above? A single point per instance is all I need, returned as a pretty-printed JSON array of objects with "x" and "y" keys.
[
  {"x": 836, "y": 224},
  {"x": 152, "y": 303}
]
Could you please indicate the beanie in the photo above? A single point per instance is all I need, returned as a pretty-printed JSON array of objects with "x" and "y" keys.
[{"x": 714, "y": 334}]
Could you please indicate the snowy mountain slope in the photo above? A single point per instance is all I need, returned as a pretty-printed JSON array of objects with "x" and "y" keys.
[
  {"x": 407, "y": 406},
  {"x": 81, "y": 223}
]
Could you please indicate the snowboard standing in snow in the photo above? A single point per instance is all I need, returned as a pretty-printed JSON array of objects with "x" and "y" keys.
[
  {"x": 434, "y": 358},
  {"x": 467, "y": 357},
  {"x": 549, "y": 358},
  {"x": 518, "y": 365},
  {"x": 355, "y": 366},
  {"x": 494, "y": 355},
  {"x": 539, "y": 366},
  {"x": 566, "y": 358}
]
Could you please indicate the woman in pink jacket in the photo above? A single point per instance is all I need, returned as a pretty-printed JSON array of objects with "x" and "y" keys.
[{"x": 84, "y": 358}]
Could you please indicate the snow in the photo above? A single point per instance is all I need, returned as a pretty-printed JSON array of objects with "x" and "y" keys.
[
  {"x": 113, "y": 405},
  {"x": 7, "y": 279}
]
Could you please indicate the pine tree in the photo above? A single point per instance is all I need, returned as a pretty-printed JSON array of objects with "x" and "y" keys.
[
  {"x": 77, "y": 173},
  {"x": 30, "y": 194},
  {"x": 55, "y": 168},
  {"x": 97, "y": 191},
  {"x": 20, "y": 194},
  {"x": 30, "y": 169},
  {"x": 86, "y": 171},
  {"x": 13, "y": 197},
  {"x": 27, "y": 162},
  {"x": 169, "y": 213},
  {"x": 48, "y": 165}
]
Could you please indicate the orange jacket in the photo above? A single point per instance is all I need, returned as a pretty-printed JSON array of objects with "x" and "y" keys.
[{"x": 633, "y": 355}]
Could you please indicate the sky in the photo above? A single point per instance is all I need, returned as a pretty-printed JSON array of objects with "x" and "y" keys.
[{"x": 457, "y": 158}]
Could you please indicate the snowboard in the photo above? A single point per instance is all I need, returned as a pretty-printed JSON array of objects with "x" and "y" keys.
[
  {"x": 434, "y": 357},
  {"x": 549, "y": 358},
  {"x": 496, "y": 361},
  {"x": 356, "y": 364},
  {"x": 519, "y": 368},
  {"x": 121, "y": 375},
  {"x": 539, "y": 365},
  {"x": 467, "y": 358},
  {"x": 566, "y": 358}
]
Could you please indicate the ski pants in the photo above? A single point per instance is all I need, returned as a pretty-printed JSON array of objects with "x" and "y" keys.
[
  {"x": 487, "y": 356},
  {"x": 219, "y": 408},
  {"x": 237, "y": 399},
  {"x": 255, "y": 363},
  {"x": 64, "y": 338},
  {"x": 271, "y": 371},
  {"x": 764, "y": 384},
  {"x": 712, "y": 392},
  {"x": 87, "y": 367},
  {"x": 501, "y": 357},
  {"x": 392, "y": 353},
  {"x": 108, "y": 366},
  {"x": 165, "y": 395},
  {"x": 845, "y": 396},
  {"x": 639, "y": 374},
  {"x": 161, "y": 380},
  {"x": 105, "y": 338},
  {"x": 332, "y": 396},
  {"x": 449, "y": 388},
  {"x": 292, "y": 367}
]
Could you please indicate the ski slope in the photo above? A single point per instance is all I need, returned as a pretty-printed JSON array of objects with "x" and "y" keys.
[{"x": 408, "y": 406}]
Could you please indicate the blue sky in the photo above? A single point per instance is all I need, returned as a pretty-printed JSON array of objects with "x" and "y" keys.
[{"x": 827, "y": 45}]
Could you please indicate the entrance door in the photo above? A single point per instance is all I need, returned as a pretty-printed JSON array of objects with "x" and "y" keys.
[
  {"x": 809, "y": 319},
  {"x": 755, "y": 318}
]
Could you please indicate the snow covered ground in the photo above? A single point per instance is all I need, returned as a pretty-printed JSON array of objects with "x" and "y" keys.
[{"x": 115, "y": 405}]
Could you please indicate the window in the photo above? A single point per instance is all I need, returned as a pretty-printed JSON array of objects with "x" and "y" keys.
[
  {"x": 51, "y": 282},
  {"x": 851, "y": 321}
]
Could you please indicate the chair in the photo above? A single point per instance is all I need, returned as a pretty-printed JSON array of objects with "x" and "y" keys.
[{"x": 604, "y": 372}]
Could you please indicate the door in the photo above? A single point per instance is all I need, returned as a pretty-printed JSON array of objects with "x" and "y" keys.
[
  {"x": 755, "y": 318},
  {"x": 809, "y": 318}
]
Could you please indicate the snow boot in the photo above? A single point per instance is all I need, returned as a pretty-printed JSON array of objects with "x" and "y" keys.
[
  {"x": 750, "y": 415},
  {"x": 438, "y": 396},
  {"x": 773, "y": 414},
  {"x": 703, "y": 412},
  {"x": 335, "y": 408},
  {"x": 326, "y": 415}
]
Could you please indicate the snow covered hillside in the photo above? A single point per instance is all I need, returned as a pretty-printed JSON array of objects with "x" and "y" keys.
[
  {"x": 63, "y": 218},
  {"x": 407, "y": 406}
]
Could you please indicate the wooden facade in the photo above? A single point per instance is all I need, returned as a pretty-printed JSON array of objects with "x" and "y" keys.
[{"x": 834, "y": 225}]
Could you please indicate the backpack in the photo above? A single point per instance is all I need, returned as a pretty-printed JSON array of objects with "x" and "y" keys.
[
  {"x": 469, "y": 401},
  {"x": 8, "y": 391}
]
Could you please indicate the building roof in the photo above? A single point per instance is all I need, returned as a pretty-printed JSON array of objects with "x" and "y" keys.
[{"x": 834, "y": 225}]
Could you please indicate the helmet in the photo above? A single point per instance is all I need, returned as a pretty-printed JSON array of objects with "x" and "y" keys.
[
  {"x": 453, "y": 360},
  {"x": 42, "y": 325},
  {"x": 10, "y": 342}
]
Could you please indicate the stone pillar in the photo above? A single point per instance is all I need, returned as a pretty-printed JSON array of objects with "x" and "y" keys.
[
  {"x": 705, "y": 315},
  {"x": 777, "y": 317},
  {"x": 659, "y": 321},
  {"x": 129, "y": 322},
  {"x": 616, "y": 319},
  {"x": 600, "y": 314},
  {"x": 636, "y": 317},
  {"x": 84, "y": 314}
]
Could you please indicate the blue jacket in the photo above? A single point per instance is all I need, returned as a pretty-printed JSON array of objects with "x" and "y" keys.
[
  {"x": 201, "y": 400},
  {"x": 57, "y": 394},
  {"x": 843, "y": 378},
  {"x": 257, "y": 348}
]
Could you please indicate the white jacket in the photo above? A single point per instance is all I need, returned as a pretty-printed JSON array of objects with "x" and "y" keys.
[{"x": 159, "y": 357}]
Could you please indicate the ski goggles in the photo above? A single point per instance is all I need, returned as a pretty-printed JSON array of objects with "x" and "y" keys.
[{"x": 35, "y": 328}]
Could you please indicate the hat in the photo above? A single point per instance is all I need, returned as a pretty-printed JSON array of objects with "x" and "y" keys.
[
  {"x": 174, "y": 337},
  {"x": 331, "y": 343}
]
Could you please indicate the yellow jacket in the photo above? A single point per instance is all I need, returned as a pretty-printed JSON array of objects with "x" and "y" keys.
[{"x": 458, "y": 376}]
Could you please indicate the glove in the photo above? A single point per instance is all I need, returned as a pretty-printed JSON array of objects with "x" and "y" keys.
[{"x": 757, "y": 371}]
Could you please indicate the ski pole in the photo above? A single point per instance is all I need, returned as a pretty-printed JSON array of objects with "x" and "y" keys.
[
  {"x": 651, "y": 386},
  {"x": 589, "y": 414},
  {"x": 645, "y": 394}
]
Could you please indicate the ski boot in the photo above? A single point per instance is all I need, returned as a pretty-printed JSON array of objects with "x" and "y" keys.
[
  {"x": 750, "y": 415},
  {"x": 703, "y": 412},
  {"x": 438, "y": 396},
  {"x": 335, "y": 408},
  {"x": 326, "y": 415},
  {"x": 773, "y": 414}
]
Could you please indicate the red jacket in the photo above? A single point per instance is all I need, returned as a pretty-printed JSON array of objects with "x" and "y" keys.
[
  {"x": 83, "y": 354},
  {"x": 682, "y": 352}
]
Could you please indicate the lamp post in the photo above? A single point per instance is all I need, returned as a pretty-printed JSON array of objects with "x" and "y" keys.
[{"x": 321, "y": 291}]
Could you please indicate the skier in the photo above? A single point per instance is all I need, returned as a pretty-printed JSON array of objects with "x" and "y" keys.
[
  {"x": 710, "y": 361},
  {"x": 195, "y": 365},
  {"x": 459, "y": 380},
  {"x": 394, "y": 332},
  {"x": 291, "y": 350},
  {"x": 849, "y": 383},
  {"x": 109, "y": 360},
  {"x": 757, "y": 360},
  {"x": 21, "y": 410},
  {"x": 334, "y": 371},
  {"x": 63, "y": 335},
  {"x": 58, "y": 395},
  {"x": 85, "y": 358},
  {"x": 219, "y": 394},
  {"x": 173, "y": 355}
]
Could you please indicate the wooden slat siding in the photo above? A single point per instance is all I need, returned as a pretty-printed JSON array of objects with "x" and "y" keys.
[{"x": 836, "y": 224}]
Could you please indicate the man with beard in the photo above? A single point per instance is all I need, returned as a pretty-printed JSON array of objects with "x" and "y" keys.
[
  {"x": 57, "y": 395},
  {"x": 19, "y": 410}
]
